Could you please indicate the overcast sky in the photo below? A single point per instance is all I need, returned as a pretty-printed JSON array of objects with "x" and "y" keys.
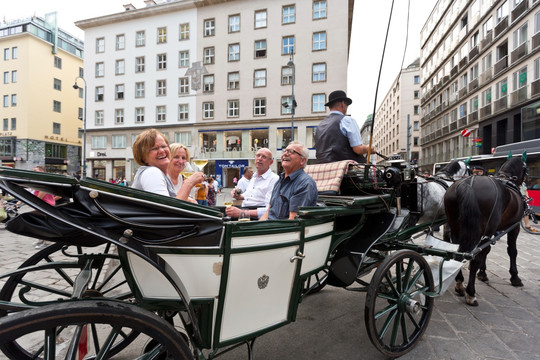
[{"x": 369, "y": 28}]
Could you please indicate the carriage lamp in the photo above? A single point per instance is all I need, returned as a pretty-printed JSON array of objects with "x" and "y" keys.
[{"x": 83, "y": 158}]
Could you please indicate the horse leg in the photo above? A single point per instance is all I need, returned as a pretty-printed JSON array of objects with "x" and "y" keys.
[
  {"x": 459, "y": 288},
  {"x": 446, "y": 233},
  {"x": 482, "y": 276},
  {"x": 512, "y": 253},
  {"x": 476, "y": 263}
]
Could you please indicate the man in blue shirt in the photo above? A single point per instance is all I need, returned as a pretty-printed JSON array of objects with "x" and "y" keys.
[
  {"x": 338, "y": 135},
  {"x": 294, "y": 188}
]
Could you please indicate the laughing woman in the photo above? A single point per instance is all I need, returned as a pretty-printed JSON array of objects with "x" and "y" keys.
[{"x": 151, "y": 151}]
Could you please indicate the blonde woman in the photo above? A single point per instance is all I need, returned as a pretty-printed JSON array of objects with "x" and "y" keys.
[{"x": 178, "y": 160}]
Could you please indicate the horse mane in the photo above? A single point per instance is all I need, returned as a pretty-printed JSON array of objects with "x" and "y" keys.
[
  {"x": 512, "y": 169},
  {"x": 450, "y": 169}
]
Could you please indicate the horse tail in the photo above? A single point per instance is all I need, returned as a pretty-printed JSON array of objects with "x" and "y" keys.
[{"x": 470, "y": 218}]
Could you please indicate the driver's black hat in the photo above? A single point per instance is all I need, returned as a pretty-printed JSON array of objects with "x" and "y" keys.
[{"x": 337, "y": 96}]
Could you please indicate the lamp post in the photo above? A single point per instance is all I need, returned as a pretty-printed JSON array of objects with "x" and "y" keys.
[
  {"x": 83, "y": 161},
  {"x": 293, "y": 105}
]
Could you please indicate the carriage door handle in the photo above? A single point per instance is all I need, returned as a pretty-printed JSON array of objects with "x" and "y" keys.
[{"x": 298, "y": 256}]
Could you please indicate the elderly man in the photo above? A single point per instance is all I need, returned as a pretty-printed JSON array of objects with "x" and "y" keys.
[
  {"x": 338, "y": 136},
  {"x": 295, "y": 188},
  {"x": 259, "y": 189}
]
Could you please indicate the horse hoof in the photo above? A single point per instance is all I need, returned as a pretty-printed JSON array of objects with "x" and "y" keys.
[
  {"x": 459, "y": 289},
  {"x": 516, "y": 282},
  {"x": 482, "y": 276},
  {"x": 471, "y": 300}
]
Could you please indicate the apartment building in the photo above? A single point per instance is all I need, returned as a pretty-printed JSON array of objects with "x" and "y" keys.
[
  {"x": 480, "y": 72},
  {"x": 40, "y": 110},
  {"x": 397, "y": 120},
  {"x": 217, "y": 76}
]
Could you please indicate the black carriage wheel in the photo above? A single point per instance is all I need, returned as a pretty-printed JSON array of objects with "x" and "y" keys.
[
  {"x": 42, "y": 286},
  {"x": 397, "y": 309},
  {"x": 315, "y": 282},
  {"x": 534, "y": 224},
  {"x": 59, "y": 331}
]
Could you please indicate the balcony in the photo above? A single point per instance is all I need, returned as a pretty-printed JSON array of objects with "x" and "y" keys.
[
  {"x": 444, "y": 105},
  {"x": 463, "y": 62},
  {"x": 453, "y": 126},
  {"x": 473, "y": 53},
  {"x": 486, "y": 76},
  {"x": 518, "y": 96},
  {"x": 454, "y": 71},
  {"x": 473, "y": 117},
  {"x": 519, "y": 52},
  {"x": 501, "y": 104},
  {"x": 446, "y": 77},
  {"x": 473, "y": 85},
  {"x": 501, "y": 65},
  {"x": 438, "y": 133},
  {"x": 535, "y": 41},
  {"x": 463, "y": 121},
  {"x": 463, "y": 92},
  {"x": 445, "y": 130},
  {"x": 501, "y": 26},
  {"x": 486, "y": 41},
  {"x": 535, "y": 88},
  {"x": 519, "y": 9},
  {"x": 485, "y": 111}
]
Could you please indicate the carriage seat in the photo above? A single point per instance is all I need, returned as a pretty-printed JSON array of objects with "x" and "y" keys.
[{"x": 328, "y": 176}]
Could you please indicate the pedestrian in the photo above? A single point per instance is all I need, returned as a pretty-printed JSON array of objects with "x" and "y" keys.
[{"x": 211, "y": 192}]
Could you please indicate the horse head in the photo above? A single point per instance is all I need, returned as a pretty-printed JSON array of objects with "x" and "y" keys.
[
  {"x": 455, "y": 170},
  {"x": 514, "y": 169}
]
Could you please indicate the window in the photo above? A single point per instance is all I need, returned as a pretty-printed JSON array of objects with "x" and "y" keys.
[
  {"x": 118, "y": 116},
  {"x": 139, "y": 114},
  {"x": 118, "y": 141},
  {"x": 14, "y": 55},
  {"x": 13, "y": 99},
  {"x": 139, "y": 89},
  {"x": 100, "y": 93},
  {"x": 319, "y": 41},
  {"x": 119, "y": 67},
  {"x": 13, "y": 124},
  {"x": 260, "y": 48},
  {"x": 287, "y": 43},
  {"x": 209, "y": 55},
  {"x": 162, "y": 35},
  {"x": 233, "y": 108},
  {"x": 57, "y": 84},
  {"x": 416, "y": 109},
  {"x": 99, "y": 141},
  {"x": 474, "y": 104},
  {"x": 100, "y": 45},
  {"x": 233, "y": 80},
  {"x": 464, "y": 21},
  {"x": 57, "y": 62},
  {"x": 234, "y": 23},
  {"x": 139, "y": 64},
  {"x": 319, "y": 72},
  {"x": 6, "y": 54},
  {"x": 486, "y": 62},
  {"x": 208, "y": 110},
  {"x": 537, "y": 22},
  {"x": 286, "y": 75},
  {"x": 287, "y": 14},
  {"x": 474, "y": 39},
  {"x": 487, "y": 27},
  {"x": 5, "y": 125},
  {"x": 80, "y": 113},
  {"x": 417, "y": 79},
  {"x": 183, "y": 86},
  {"x": 319, "y": 10},
  {"x": 57, "y": 106},
  {"x": 161, "y": 87},
  {"x": 140, "y": 38},
  {"x": 6, "y": 100},
  {"x": 501, "y": 89},
  {"x": 259, "y": 107},
  {"x": 474, "y": 72},
  {"x": 119, "y": 92},
  {"x": 462, "y": 110},
  {"x": 183, "y": 137},
  {"x": 99, "y": 116},
  {"x": 183, "y": 113},
  {"x": 162, "y": 61},
  {"x": 463, "y": 81},
  {"x": 317, "y": 103},
  {"x": 183, "y": 59},
  {"x": 416, "y": 94},
  {"x": 183, "y": 32},
  {"x": 120, "y": 42},
  {"x": 100, "y": 69},
  {"x": 519, "y": 79},
  {"x": 520, "y": 36},
  {"x": 161, "y": 113},
  {"x": 209, "y": 27},
  {"x": 259, "y": 78},
  {"x": 502, "y": 11},
  {"x": 208, "y": 83},
  {"x": 260, "y": 19},
  {"x": 6, "y": 77},
  {"x": 57, "y": 128},
  {"x": 234, "y": 52}
]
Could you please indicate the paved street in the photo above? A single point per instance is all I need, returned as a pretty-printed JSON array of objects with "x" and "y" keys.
[{"x": 330, "y": 324}]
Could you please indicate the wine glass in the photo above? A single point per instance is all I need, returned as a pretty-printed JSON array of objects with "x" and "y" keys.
[
  {"x": 200, "y": 161},
  {"x": 188, "y": 170},
  {"x": 244, "y": 215}
]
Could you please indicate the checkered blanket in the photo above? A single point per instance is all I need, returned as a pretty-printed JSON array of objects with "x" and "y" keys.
[{"x": 328, "y": 176}]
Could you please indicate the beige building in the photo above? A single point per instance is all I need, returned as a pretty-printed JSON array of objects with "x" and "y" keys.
[
  {"x": 40, "y": 110},
  {"x": 400, "y": 109},
  {"x": 480, "y": 73},
  {"x": 217, "y": 76}
]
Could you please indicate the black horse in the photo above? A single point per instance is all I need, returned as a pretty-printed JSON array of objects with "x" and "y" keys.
[{"x": 479, "y": 206}]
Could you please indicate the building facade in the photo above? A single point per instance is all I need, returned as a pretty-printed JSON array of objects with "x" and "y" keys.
[
  {"x": 217, "y": 76},
  {"x": 480, "y": 75},
  {"x": 40, "y": 110},
  {"x": 397, "y": 120}
]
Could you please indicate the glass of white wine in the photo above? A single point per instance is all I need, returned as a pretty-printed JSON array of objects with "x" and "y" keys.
[
  {"x": 188, "y": 170},
  {"x": 244, "y": 215},
  {"x": 201, "y": 160}
]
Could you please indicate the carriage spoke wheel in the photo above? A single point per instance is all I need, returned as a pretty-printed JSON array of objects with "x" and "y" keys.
[
  {"x": 397, "y": 309},
  {"x": 90, "y": 328},
  {"x": 50, "y": 277}
]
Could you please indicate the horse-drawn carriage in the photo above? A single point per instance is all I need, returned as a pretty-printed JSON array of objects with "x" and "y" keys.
[{"x": 130, "y": 265}]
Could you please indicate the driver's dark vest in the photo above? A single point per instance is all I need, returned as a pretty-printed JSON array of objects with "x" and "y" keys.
[{"x": 330, "y": 143}]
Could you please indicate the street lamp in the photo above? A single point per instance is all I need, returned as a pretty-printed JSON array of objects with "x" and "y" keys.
[
  {"x": 83, "y": 161},
  {"x": 293, "y": 105}
]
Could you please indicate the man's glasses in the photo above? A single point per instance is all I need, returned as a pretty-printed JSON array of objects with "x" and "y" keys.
[
  {"x": 290, "y": 151},
  {"x": 157, "y": 148}
]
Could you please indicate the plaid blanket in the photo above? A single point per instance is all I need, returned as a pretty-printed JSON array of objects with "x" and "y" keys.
[{"x": 328, "y": 176}]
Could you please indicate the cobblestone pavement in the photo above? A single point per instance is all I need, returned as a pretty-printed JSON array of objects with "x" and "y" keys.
[{"x": 506, "y": 324}]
